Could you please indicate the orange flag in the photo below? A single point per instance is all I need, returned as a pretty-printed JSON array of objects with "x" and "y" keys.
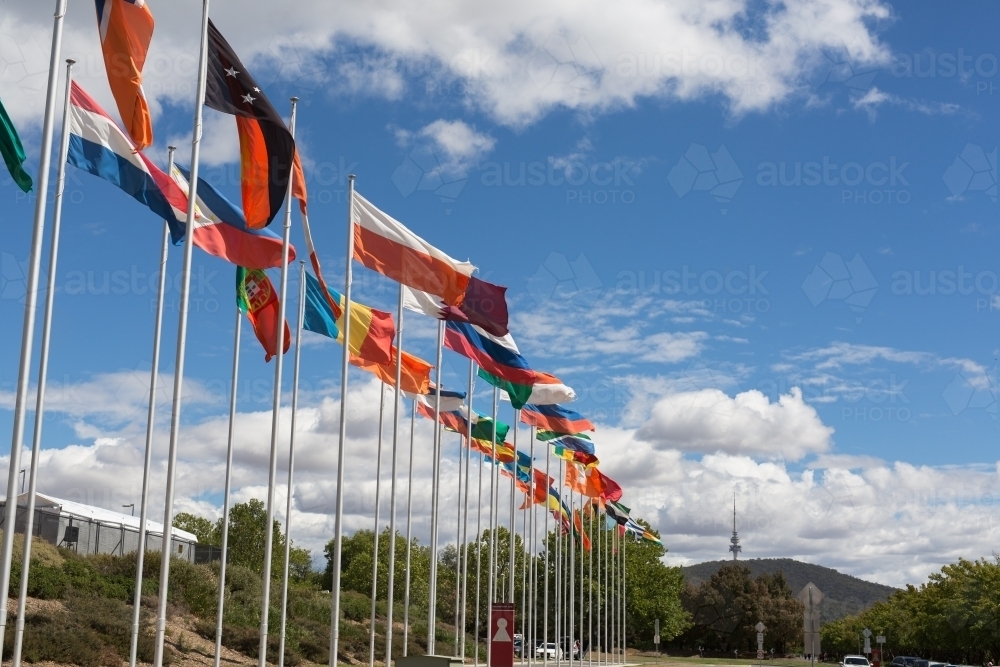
[{"x": 415, "y": 377}]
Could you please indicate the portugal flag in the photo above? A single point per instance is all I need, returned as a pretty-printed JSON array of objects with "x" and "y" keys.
[
  {"x": 266, "y": 145},
  {"x": 255, "y": 296}
]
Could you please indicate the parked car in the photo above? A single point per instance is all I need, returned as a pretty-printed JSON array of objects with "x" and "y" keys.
[
  {"x": 859, "y": 660},
  {"x": 903, "y": 661},
  {"x": 550, "y": 650}
]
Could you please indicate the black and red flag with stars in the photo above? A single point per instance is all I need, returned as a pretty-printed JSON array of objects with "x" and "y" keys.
[{"x": 266, "y": 145}]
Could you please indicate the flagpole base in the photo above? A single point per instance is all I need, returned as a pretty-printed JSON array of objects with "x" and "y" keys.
[{"x": 428, "y": 661}]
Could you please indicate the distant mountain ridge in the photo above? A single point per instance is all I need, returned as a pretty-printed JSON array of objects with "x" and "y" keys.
[{"x": 844, "y": 594}]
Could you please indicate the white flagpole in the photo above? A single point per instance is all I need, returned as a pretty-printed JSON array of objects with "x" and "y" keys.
[
  {"x": 338, "y": 535},
  {"x": 465, "y": 527},
  {"x": 491, "y": 572},
  {"x": 391, "y": 595},
  {"x": 175, "y": 414},
  {"x": 572, "y": 574},
  {"x": 435, "y": 490},
  {"x": 559, "y": 573},
  {"x": 545, "y": 570},
  {"x": 524, "y": 560},
  {"x": 238, "y": 328},
  {"x": 409, "y": 527},
  {"x": 479, "y": 539},
  {"x": 510, "y": 548},
  {"x": 533, "y": 620},
  {"x": 590, "y": 593},
  {"x": 291, "y": 463},
  {"x": 43, "y": 371},
  {"x": 458, "y": 553},
  {"x": 28, "y": 329},
  {"x": 272, "y": 467},
  {"x": 378, "y": 498},
  {"x": 624, "y": 617},
  {"x": 582, "y": 559},
  {"x": 150, "y": 428}
]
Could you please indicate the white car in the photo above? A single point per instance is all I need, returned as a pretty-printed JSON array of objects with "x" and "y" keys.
[
  {"x": 551, "y": 651},
  {"x": 855, "y": 661}
]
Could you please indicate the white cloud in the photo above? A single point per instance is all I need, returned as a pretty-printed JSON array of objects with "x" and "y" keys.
[
  {"x": 874, "y": 98},
  {"x": 517, "y": 62},
  {"x": 710, "y": 421}
]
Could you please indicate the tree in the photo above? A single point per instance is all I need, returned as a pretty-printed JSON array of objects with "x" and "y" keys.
[{"x": 202, "y": 528}]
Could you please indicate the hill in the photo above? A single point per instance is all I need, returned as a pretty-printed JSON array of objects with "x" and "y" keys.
[{"x": 844, "y": 594}]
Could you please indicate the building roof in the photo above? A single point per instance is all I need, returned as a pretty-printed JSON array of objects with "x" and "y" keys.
[{"x": 99, "y": 514}]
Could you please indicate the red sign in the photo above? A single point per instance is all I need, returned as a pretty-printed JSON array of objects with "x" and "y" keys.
[
  {"x": 501, "y": 634},
  {"x": 876, "y": 657}
]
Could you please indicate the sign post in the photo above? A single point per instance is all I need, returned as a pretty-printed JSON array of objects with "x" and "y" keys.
[
  {"x": 880, "y": 640},
  {"x": 868, "y": 641},
  {"x": 760, "y": 641},
  {"x": 501, "y": 634},
  {"x": 656, "y": 636},
  {"x": 811, "y": 596}
]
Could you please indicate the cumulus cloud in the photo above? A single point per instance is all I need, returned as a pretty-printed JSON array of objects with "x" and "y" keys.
[
  {"x": 710, "y": 421},
  {"x": 516, "y": 63},
  {"x": 456, "y": 146}
]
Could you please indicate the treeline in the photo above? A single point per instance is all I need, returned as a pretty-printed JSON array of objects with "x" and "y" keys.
[
  {"x": 953, "y": 617},
  {"x": 724, "y": 610}
]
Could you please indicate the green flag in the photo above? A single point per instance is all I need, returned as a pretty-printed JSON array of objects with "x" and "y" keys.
[{"x": 13, "y": 151}]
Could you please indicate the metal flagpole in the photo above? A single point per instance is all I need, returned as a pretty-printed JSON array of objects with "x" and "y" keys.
[
  {"x": 185, "y": 296},
  {"x": 272, "y": 468},
  {"x": 226, "y": 491},
  {"x": 28, "y": 328},
  {"x": 624, "y": 617},
  {"x": 291, "y": 463},
  {"x": 510, "y": 549},
  {"x": 409, "y": 533},
  {"x": 558, "y": 573},
  {"x": 479, "y": 542},
  {"x": 150, "y": 424},
  {"x": 590, "y": 593},
  {"x": 458, "y": 553},
  {"x": 548, "y": 548},
  {"x": 391, "y": 594},
  {"x": 572, "y": 574},
  {"x": 338, "y": 536},
  {"x": 465, "y": 527},
  {"x": 582, "y": 535},
  {"x": 524, "y": 561},
  {"x": 604, "y": 591},
  {"x": 435, "y": 490},
  {"x": 378, "y": 494},
  {"x": 534, "y": 556},
  {"x": 491, "y": 576},
  {"x": 43, "y": 371}
]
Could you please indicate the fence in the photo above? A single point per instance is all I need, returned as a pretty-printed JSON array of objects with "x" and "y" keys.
[{"x": 94, "y": 537}]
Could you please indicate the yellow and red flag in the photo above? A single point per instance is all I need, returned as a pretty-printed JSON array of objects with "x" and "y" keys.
[{"x": 126, "y": 28}]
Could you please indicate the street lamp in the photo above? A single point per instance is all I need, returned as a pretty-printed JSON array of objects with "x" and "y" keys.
[
  {"x": 132, "y": 505},
  {"x": 22, "y": 479}
]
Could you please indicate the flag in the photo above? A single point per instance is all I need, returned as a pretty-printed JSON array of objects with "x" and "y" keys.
[
  {"x": 499, "y": 356},
  {"x": 126, "y": 28},
  {"x": 266, "y": 146},
  {"x": 504, "y": 451},
  {"x": 592, "y": 483},
  {"x": 547, "y": 390},
  {"x": 372, "y": 330},
  {"x": 257, "y": 300},
  {"x": 484, "y": 304},
  {"x": 384, "y": 245},
  {"x": 582, "y": 458},
  {"x": 555, "y": 418},
  {"x": 299, "y": 192},
  {"x": 578, "y": 524},
  {"x": 13, "y": 151},
  {"x": 577, "y": 442},
  {"x": 538, "y": 489},
  {"x": 616, "y": 513},
  {"x": 98, "y": 146},
  {"x": 221, "y": 230},
  {"x": 415, "y": 373},
  {"x": 452, "y": 407}
]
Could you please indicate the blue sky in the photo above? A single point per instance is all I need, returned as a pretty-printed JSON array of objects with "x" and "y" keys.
[{"x": 662, "y": 257}]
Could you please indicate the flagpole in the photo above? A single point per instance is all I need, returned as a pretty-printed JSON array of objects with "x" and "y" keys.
[
  {"x": 43, "y": 371},
  {"x": 583, "y": 534},
  {"x": 524, "y": 560},
  {"x": 272, "y": 468},
  {"x": 435, "y": 490},
  {"x": 378, "y": 493},
  {"x": 465, "y": 527},
  {"x": 291, "y": 462},
  {"x": 572, "y": 573},
  {"x": 590, "y": 593},
  {"x": 624, "y": 616},
  {"x": 228, "y": 486},
  {"x": 510, "y": 550},
  {"x": 185, "y": 295},
  {"x": 558, "y": 575},
  {"x": 409, "y": 526},
  {"x": 533, "y": 620},
  {"x": 150, "y": 424},
  {"x": 491, "y": 576},
  {"x": 458, "y": 552},
  {"x": 30, "y": 301},
  {"x": 338, "y": 537},
  {"x": 545, "y": 570},
  {"x": 392, "y": 488},
  {"x": 479, "y": 536}
]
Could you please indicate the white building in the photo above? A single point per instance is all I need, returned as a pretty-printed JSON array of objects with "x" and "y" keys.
[{"x": 95, "y": 530}]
